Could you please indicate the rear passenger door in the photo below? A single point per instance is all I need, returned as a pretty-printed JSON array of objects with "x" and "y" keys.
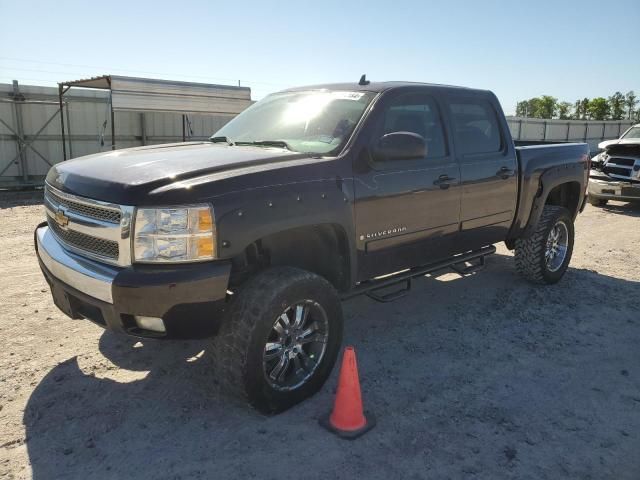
[{"x": 488, "y": 169}]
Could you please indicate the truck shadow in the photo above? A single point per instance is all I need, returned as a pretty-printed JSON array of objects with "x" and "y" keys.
[
  {"x": 631, "y": 209},
  {"x": 148, "y": 408}
]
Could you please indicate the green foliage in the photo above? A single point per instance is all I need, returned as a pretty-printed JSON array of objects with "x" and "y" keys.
[
  {"x": 598, "y": 109},
  {"x": 548, "y": 106},
  {"x": 538, "y": 107},
  {"x": 564, "y": 110},
  {"x": 522, "y": 109},
  {"x": 579, "y": 111},
  {"x": 616, "y": 107},
  {"x": 584, "y": 105},
  {"x": 631, "y": 101}
]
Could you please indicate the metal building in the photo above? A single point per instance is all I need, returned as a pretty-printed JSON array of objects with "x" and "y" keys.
[{"x": 109, "y": 112}]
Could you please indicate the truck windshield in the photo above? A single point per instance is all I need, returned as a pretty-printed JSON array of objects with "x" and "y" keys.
[
  {"x": 633, "y": 132},
  {"x": 316, "y": 122}
]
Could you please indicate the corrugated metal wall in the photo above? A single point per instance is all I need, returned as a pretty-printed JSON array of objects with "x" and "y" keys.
[
  {"x": 591, "y": 132},
  {"x": 86, "y": 112}
]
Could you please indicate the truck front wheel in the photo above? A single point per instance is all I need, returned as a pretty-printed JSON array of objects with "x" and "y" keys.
[
  {"x": 545, "y": 255},
  {"x": 280, "y": 340}
]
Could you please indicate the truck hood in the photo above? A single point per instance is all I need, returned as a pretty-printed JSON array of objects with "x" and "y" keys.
[
  {"x": 618, "y": 141},
  {"x": 122, "y": 175}
]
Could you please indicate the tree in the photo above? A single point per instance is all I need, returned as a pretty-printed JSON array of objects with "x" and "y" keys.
[
  {"x": 577, "y": 110},
  {"x": 617, "y": 103},
  {"x": 614, "y": 107},
  {"x": 547, "y": 107},
  {"x": 564, "y": 110},
  {"x": 580, "y": 109},
  {"x": 630, "y": 101},
  {"x": 528, "y": 108},
  {"x": 537, "y": 107},
  {"x": 584, "y": 105},
  {"x": 522, "y": 109},
  {"x": 598, "y": 108}
]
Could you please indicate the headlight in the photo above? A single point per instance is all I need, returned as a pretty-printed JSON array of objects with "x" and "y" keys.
[{"x": 180, "y": 234}]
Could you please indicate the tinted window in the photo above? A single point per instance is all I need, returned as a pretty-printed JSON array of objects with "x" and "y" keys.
[
  {"x": 417, "y": 114},
  {"x": 476, "y": 126}
]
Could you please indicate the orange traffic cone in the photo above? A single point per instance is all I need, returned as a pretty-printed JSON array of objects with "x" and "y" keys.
[{"x": 348, "y": 419}]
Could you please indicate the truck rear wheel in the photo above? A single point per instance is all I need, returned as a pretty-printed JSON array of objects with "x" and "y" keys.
[
  {"x": 280, "y": 340},
  {"x": 544, "y": 257}
]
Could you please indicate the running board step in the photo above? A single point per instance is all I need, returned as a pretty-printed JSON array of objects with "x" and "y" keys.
[
  {"x": 391, "y": 296},
  {"x": 371, "y": 288},
  {"x": 463, "y": 269}
]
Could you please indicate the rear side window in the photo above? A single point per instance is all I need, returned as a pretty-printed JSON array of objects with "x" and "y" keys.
[
  {"x": 476, "y": 126},
  {"x": 417, "y": 113}
]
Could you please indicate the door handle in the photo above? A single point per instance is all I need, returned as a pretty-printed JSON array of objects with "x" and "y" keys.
[
  {"x": 504, "y": 173},
  {"x": 444, "y": 181}
]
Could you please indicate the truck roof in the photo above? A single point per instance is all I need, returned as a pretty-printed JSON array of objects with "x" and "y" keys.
[{"x": 380, "y": 87}]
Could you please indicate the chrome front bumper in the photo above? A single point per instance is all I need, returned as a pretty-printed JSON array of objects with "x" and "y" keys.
[
  {"x": 190, "y": 299},
  {"x": 613, "y": 190},
  {"x": 87, "y": 276}
]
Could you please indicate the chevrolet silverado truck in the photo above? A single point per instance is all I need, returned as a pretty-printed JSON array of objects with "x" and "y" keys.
[
  {"x": 615, "y": 172},
  {"x": 309, "y": 197}
]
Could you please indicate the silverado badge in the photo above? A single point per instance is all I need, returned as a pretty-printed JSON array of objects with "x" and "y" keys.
[{"x": 383, "y": 233}]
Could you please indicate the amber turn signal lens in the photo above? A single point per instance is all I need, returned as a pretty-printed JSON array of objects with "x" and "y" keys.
[
  {"x": 205, "y": 247},
  {"x": 205, "y": 222}
]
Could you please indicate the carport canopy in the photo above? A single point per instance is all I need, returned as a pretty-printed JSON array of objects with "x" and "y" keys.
[{"x": 127, "y": 94}]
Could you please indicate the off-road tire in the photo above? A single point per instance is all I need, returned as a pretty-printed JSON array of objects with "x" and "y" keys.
[
  {"x": 597, "y": 202},
  {"x": 237, "y": 350},
  {"x": 530, "y": 252}
]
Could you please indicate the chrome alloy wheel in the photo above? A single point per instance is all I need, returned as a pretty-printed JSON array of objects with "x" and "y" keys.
[
  {"x": 296, "y": 345},
  {"x": 557, "y": 245}
]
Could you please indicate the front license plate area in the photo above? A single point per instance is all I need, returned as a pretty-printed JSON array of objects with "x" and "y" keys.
[{"x": 631, "y": 191}]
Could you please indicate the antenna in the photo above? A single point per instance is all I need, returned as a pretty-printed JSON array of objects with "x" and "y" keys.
[{"x": 363, "y": 80}]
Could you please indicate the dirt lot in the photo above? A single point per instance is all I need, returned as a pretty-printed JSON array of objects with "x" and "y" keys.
[{"x": 478, "y": 377}]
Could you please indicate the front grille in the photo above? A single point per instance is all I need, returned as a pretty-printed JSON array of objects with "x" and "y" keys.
[
  {"x": 621, "y": 171},
  {"x": 91, "y": 211},
  {"x": 86, "y": 243},
  {"x": 628, "y": 162}
]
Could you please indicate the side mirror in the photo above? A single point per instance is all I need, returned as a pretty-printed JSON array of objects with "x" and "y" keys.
[{"x": 400, "y": 146}]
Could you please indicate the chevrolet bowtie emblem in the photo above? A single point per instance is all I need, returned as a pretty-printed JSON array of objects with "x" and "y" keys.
[{"x": 61, "y": 219}]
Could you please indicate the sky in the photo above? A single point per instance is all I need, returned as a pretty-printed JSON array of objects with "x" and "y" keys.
[{"x": 518, "y": 49}]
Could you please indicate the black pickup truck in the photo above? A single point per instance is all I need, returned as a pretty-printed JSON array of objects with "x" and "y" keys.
[{"x": 309, "y": 197}]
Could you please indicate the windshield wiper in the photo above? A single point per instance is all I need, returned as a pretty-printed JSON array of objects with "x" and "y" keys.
[
  {"x": 268, "y": 143},
  {"x": 221, "y": 140}
]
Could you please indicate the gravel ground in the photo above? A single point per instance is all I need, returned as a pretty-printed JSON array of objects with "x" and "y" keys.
[{"x": 478, "y": 377}]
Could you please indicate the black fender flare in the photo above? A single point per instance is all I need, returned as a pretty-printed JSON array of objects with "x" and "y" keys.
[{"x": 550, "y": 179}]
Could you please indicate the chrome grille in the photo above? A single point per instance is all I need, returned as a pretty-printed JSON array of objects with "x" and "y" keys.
[
  {"x": 91, "y": 228},
  {"x": 626, "y": 161},
  {"x": 87, "y": 243},
  {"x": 91, "y": 211},
  {"x": 623, "y": 168}
]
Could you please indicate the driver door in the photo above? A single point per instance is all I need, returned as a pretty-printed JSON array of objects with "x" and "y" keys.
[{"x": 407, "y": 210}]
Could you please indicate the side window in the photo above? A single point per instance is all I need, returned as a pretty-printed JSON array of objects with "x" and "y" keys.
[
  {"x": 419, "y": 114},
  {"x": 476, "y": 126}
]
